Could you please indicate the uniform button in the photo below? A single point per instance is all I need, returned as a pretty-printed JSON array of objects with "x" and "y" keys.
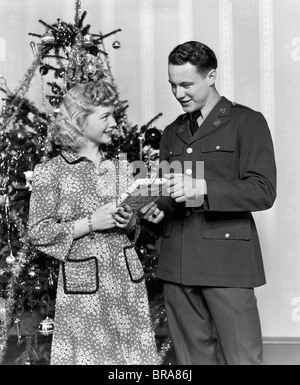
[
  {"x": 189, "y": 171},
  {"x": 187, "y": 213},
  {"x": 218, "y": 147},
  {"x": 189, "y": 150},
  {"x": 227, "y": 235}
]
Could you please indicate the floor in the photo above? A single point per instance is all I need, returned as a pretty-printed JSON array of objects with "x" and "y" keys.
[{"x": 280, "y": 352}]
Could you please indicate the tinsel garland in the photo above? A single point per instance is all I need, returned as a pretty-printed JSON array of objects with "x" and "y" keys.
[
  {"x": 22, "y": 90},
  {"x": 23, "y": 256},
  {"x": 164, "y": 349},
  {"x": 48, "y": 141},
  {"x": 17, "y": 268},
  {"x": 77, "y": 17},
  {"x": 166, "y": 345}
]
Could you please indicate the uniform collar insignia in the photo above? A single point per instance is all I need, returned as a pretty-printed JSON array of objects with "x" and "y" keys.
[{"x": 217, "y": 122}]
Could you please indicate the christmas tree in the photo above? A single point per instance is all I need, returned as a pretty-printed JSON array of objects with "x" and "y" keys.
[{"x": 28, "y": 278}]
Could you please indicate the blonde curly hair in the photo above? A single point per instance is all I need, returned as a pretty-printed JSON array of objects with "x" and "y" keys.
[{"x": 78, "y": 104}]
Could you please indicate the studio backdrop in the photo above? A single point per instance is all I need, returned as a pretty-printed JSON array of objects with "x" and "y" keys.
[{"x": 257, "y": 43}]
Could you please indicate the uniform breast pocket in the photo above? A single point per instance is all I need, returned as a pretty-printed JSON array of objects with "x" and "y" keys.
[{"x": 219, "y": 159}]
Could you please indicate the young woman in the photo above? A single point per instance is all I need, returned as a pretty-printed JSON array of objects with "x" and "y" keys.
[{"x": 102, "y": 313}]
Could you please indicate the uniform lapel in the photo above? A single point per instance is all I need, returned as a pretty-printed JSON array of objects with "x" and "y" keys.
[{"x": 219, "y": 116}]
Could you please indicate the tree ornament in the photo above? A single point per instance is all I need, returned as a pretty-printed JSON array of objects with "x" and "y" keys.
[
  {"x": 116, "y": 44},
  {"x": 48, "y": 38},
  {"x": 29, "y": 179},
  {"x": 44, "y": 69},
  {"x": 41, "y": 127},
  {"x": 55, "y": 101},
  {"x": 88, "y": 41},
  {"x": 10, "y": 260},
  {"x": 33, "y": 48},
  {"x": 153, "y": 137},
  {"x": 60, "y": 72},
  {"x": 31, "y": 272},
  {"x": 46, "y": 326},
  {"x": 91, "y": 69},
  {"x": 38, "y": 287},
  {"x": 19, "y": 137},
  {"x": 56, "y": 88},
  {"x": 28, "y": 361}
]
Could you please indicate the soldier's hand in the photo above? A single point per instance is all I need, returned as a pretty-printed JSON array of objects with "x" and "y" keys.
[{"x": 184, "y": 188}]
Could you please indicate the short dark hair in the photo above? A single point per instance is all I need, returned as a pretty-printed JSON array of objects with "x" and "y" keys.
[{"x": 195, "y": 53}]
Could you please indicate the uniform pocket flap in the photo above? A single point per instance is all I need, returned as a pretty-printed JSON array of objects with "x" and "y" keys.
[
  {"x": 227, "y": 226},
  {"x": 175, "y": 151},
  {"x": 216, "y": 145}
]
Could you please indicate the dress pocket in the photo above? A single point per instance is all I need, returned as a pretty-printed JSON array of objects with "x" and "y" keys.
[{"x": 80, "y": 276}]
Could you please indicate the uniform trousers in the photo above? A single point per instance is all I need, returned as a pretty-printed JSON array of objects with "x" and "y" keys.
[{"x": 213, "y": 326}]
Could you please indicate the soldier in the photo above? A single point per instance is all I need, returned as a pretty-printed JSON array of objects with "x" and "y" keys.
[{"x": 210, "y": 257}]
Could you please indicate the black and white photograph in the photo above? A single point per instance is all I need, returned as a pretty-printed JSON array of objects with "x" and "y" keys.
[{"x": 149, "y": 174}]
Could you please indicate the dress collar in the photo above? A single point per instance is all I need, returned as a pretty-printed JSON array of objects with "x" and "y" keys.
[{"x": 72, "y": 157}]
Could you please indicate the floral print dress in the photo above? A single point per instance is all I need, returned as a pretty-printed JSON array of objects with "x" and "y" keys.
[{"x": 112, "y": 324}]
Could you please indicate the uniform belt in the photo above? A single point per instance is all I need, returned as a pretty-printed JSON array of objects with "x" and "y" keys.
[
  {"x": 197, "y": 209},
  {"x": 190, "y": 210}
]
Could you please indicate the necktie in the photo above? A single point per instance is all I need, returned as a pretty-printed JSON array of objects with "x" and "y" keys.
[{"x": 193, "y": 121}]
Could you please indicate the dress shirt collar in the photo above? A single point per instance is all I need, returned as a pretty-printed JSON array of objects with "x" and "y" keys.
[{"x": 207, "y": 108}]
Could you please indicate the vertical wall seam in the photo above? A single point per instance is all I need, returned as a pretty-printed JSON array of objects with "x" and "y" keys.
[
  {"x": 226, "y": 49},
  {"x": 147, "y": 60},
  {"x": 108, "y": 26},
  {"x": 267, "y": 62},
  {"x": 186, "y": 20}
]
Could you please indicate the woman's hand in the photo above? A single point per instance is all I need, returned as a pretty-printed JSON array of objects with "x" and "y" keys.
[
  {"x": 152, "y": 213},
  {"x": 125, "y": 218},
  {"x": 102, "y": 218}
]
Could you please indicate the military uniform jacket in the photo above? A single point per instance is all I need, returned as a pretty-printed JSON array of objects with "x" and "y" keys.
[{"x": 217, "y": 243}]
